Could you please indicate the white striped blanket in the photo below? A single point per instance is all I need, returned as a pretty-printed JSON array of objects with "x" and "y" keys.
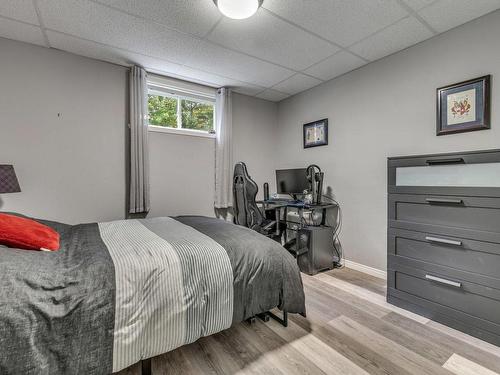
[{"x": 173, "y": 286}]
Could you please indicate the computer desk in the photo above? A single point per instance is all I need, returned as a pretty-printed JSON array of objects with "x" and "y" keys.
[
  {"x": 277, "y": 205},
  {"x": 314, "y": 254}
]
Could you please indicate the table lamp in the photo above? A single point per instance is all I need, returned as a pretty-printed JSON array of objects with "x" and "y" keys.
[{"x": 8, "y": 180}]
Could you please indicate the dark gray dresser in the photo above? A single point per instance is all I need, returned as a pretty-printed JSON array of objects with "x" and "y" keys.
[{"x": 443, "y": 239}]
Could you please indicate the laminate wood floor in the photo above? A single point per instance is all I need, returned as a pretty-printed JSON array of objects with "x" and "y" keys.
[{"x": 349, "y": 329}]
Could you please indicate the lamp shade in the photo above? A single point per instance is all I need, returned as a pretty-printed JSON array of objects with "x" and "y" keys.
[{"x": 8, "y": 180}]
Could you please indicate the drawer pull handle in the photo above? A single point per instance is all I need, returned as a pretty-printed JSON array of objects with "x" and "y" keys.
[
  {"x": 444, "y": 201},
  {"x": 444, "y": 281},
  {"x": 443, "y": 240},
  {"x": 445, "y": 161}
]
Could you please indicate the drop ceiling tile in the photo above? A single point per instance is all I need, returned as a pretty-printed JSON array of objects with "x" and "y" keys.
[
  {"x": 191, "y": 16},
  {"x": 403, "y": 34},
  {"x": 418, "y": 4},
  {"x": 335, "y": 66},
  {"x": 21, "y": 31},
  {"x": 246, "y": 89},
  {"x": 212, "y": 58},
  {"x": 212, "y": 80},
  {"x": 446, "y": 14},
  {"x": 199, "y": 78},
  {"x": 268, "y": 37},
  {"x": 272, "y": 95},
  {"x": 123, "y": 57},
  {"x": 110, "y": 54},
  {"x": 22, "y": 10},
  {"x": 101, "y": 24},
  {"x": 296, "y": 84},
  {"x": 203, "y": 77},
  {"x": 342, "y": 21},
  {"x": 218, "y": 81}
]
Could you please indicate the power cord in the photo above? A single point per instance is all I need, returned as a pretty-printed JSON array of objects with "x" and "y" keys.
[{"x": 337, "y": 245}]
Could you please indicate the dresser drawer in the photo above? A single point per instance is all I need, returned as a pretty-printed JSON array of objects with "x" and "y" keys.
[
  {"x": 475, "y": 173},
  {"x": 472, "y": 213},
  {"x": 443, "y": 252},
  {"x": 479, "y": 303},
  {"x": 477, "y": 257}
]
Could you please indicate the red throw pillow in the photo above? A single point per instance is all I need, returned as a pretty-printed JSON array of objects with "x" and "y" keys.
[{"x": 27, "y": 234}]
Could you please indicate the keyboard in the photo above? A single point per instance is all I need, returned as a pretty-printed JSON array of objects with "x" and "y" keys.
[{"x": 286, "y": 201}]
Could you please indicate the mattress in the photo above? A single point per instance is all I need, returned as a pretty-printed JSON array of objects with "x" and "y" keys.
[{"x": 122, "y": 291}]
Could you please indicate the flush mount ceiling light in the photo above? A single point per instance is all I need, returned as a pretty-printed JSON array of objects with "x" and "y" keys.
[{"x": 238, "y": 9}]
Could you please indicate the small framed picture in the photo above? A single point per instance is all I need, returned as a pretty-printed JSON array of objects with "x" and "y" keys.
[
  {"x": 464, "y": 106},
  {"x": 316, "y": 133}
]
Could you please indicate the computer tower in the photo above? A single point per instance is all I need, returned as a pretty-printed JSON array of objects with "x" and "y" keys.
[{"x": 320, "y": 253}]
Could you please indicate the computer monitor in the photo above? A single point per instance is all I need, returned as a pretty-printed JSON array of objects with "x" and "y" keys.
[{"x": 292, "y": 181}]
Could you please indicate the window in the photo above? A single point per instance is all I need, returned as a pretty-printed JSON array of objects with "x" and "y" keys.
[
  {"x": 162, "y": 110},
  {"x": 173, "y": 110}
]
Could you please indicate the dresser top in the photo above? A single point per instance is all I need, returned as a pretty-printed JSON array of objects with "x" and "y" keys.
[{"x": 457, "y": 153}]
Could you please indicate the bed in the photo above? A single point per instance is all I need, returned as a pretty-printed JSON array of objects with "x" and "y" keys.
[{"x": 124, "y": 291}]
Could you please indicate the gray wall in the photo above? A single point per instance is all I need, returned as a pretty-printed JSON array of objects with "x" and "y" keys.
[
  {"x": 182, "y": 175},
  {"x": 182, "y": 167},
  {"x": 71, "y": 167},
  {"x": 388, "y": 108},
  {"x": 254, "y": 136}
]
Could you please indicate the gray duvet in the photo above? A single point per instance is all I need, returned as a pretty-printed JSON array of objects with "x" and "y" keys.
[{"x": 123, "y": 291}]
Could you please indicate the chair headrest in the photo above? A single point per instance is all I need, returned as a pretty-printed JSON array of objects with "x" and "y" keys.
[{"x": 240, "y": 169}]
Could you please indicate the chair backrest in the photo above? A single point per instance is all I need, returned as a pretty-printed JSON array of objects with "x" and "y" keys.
[{"x": 245, "y": 190}]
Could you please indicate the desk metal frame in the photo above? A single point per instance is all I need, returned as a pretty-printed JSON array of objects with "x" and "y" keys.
[{"x": 278, "y": 205}]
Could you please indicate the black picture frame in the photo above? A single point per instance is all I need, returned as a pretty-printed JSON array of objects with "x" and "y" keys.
[
  {"x": 323, "y": 140},
  {"x": 480, "y": 103}
]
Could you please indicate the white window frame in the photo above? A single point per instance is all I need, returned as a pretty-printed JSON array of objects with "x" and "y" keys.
[{"x": 164, "y": 88}]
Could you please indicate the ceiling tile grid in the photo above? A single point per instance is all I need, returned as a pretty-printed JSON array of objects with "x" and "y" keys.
[
  {"x": 195, "y": 17},
  {"x": 297, "y": 83},
  {"x": 272, "y": 95},
  {"x": 108, "y": 53},
  {"x": 418, "y": 4},
  {"x": 95, "y": 22},
  {"x": 446, "y": 14},
  {"x": 217, "y": 80},
  {"x": 124, "y": 57},
  {"x": 21, "y": 31},
  {"x": 236, "y": 65},
  {"x": 335, "y": 66},
  {"x": 20, "y": 10},
  {"x": 272, "y": 39},
  {"x": 340, "y": 21},
  {"x": 287, "y": 47},
  {"x": 396, "y": 37}
]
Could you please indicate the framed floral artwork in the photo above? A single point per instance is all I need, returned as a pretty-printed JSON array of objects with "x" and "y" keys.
[
  {"x": 316, "y": 133},
  {"x": 464, "y": 106}
]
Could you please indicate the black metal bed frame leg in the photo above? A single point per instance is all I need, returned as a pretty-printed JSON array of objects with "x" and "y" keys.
[
  {"x": 264, "y": 317},
  {"x": 146, "y": 366},
  {"x": 283, "y": 321}
]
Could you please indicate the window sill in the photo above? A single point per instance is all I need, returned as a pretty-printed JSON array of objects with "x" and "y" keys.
[{"x": 189, "y": 132}]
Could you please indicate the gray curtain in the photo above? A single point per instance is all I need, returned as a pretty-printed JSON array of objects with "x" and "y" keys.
[
  {"x": 139, "y": 150},
  {"x": 223, "y": 149}
]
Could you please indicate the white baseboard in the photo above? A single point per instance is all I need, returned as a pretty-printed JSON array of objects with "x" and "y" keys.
[{"x": 365, "y": 269}]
